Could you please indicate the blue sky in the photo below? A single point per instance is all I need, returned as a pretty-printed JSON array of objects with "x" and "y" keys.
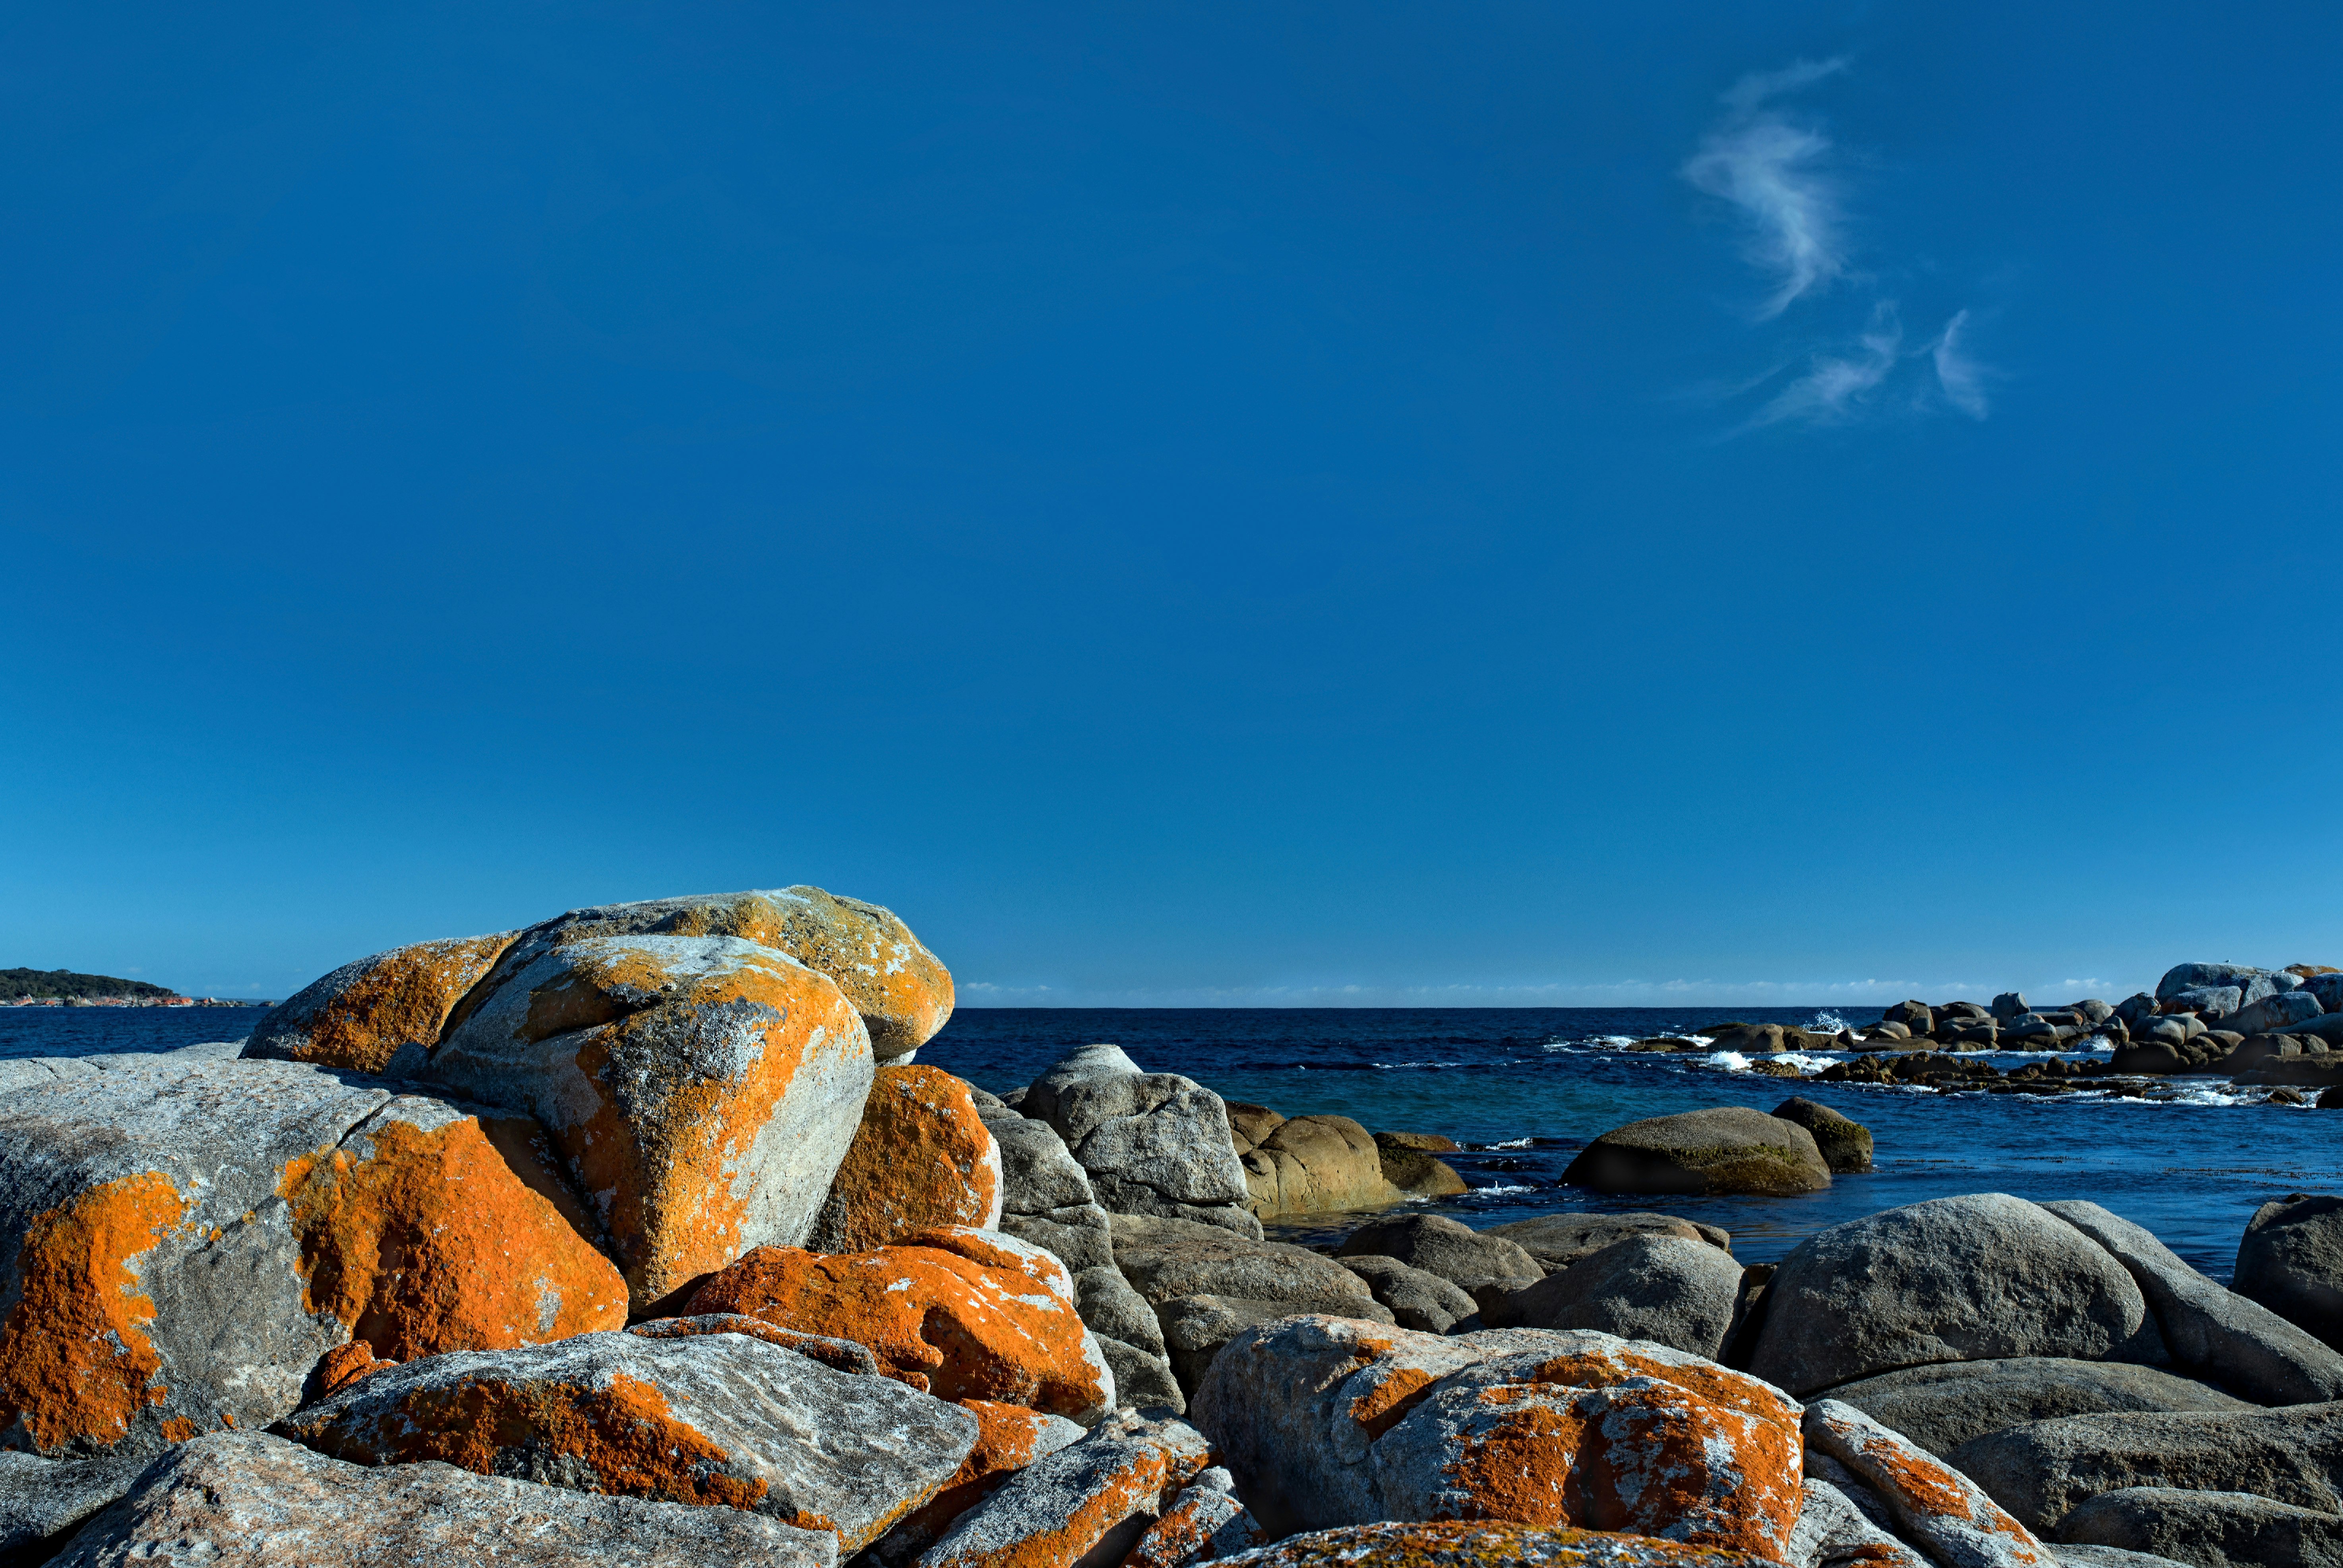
[{"x": 1252, "y": 505}]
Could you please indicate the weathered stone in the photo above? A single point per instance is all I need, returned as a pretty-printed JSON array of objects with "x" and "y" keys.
[
  {"x": 1976, "y": 1278},
  {"x": 1167, "y": 1257},
  {"x": 2041, "y": 1472},
  {"x": 921, "y": 1158},
  {"x": 1408, "y": 1164},
  {"x": 2010, "y": 1004},
  {"x": 1933, "y": 1505},
  {"x": 1451, "y": 1544},
  {"x": 366, "y": 1012},
  {"x": 1009, "y": 1438},
  {"x": 1845, "y": 1143},
  {"x": 959, "y": 1313},
  {"x": 1110, "y": 1306},
  {"x": 1317, "y": 1164},
  {"x": 1038, "y": 1174},
  {"x": 2285, "y": 1009},
  {"x": 1417, "y": 1300},
  {"x": 1197, "y": 1328},
  {"x": 41, "y": 1500},
  {"x": 1152, "y": 1143},
  {"x": 1913, "y": 1015},
  {"x": 2181, "y": 978},
  {"x": 1729, "y": 1149},
  {"x": 259, "y": 1501},
  {"x": 1204, "y": 1524},
  {"x": 1679, "y": 1294},
  {"x": 1751, "y": 1039},
  {"x": 2207, "y": 1529},
  {"x": 181, "y": 1240},
  {"x": 1834, "y": 1532},
  {"x": 902, "y": 993},
  {"x": 1078, "y": 1238},
  {"x": 839, "y": 1355},
  {"x": 2291, "y": 1262},
  {"x": 1088, "y": 1502},
  {"x": 1943, "y": 1406},
  {"x": 713, "y": 1419},
  {"x": 2216, "y": 1333},
  {"x": 1249, "y": 1124},
  {"x": 2208, "y": 1000},
  {"x": 1143, "y": 1380},
  {"x": 1558, "y": 1240},
  {"x": 1448, "y": 1248},
  {"x": 703, "y": 1088}
]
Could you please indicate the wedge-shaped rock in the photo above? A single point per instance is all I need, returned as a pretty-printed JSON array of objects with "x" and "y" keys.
[
  {"x": 43, "y": 1501},
  {"x": 1976, "y": 1278},
  {"x": 181, "y": 1240},
  {"x": 366, "y": 1012},
  {"x": 1480, "y": 1545},
  {"x": 1089, "y": 1502},
  {"x": 922, "y": 1157},
  {"x": 961, "y": 1313},
  {"x": 2291, "y": 1262},
  {"x": 1009, "y": 1438},
  {"x": 902, "y": 992},
  {"x": 702, "y": 1089},
  {"x": 712, "y": 1420},
  {"x": 1951, "y": 1518},
  {"x": 262, "y": 1502}
]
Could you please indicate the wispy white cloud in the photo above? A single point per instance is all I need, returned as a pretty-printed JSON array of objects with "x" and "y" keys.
[
  {"x": 1839, "y": 384},
  {"x": 1775, "y": 175},
  {"x": 1961, "y": 376}
]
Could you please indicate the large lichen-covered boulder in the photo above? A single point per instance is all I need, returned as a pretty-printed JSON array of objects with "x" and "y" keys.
[
  {"x": 1152, "y": 1143},
  {"x": 902, "y": 992},
  {"x": 1983, "y": 1277},
  {"x": 366, "y": 1012},
  {"x": 921, "y": 1158},
  {"x": 271, "y": 1503},
  {"x": 702, "y": 1089},
  {"x": 181, "y": 1239},
  {"x": 1730, "y": 1149},
  {"x": 1089, "y": 1502},
  {"x": 709, "y": 1419},
  {"x": 2291, "y": 1262},
  {"x": 961, "y": 1313},
  {"x": 1327, "y": 1421}
]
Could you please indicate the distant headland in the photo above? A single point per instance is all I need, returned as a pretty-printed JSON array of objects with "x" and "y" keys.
[{"x": 64, "y": 988}]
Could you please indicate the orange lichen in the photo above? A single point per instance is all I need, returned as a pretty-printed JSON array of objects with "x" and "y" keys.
[
  {"x": 429, "y": 1243},
  {"x": 75, "y": 1362},
  {"x": 1717, "y": 1386},
  {"x": 1387, "y": 1404},
  {"x": 626, "y": 1434},
  {"x": 1134, "y": 1486},
  {"x": 988, "y": 1327},
  {"x": 1179, "y": 1536},
  {"x": 1660, "y": 1462},
  {"x": 922, "y": 1157},
  {"x": 1008, "y": 1437},
  {"x": 399, "y": 997},
  {"x": 1519, "y": 1468},
  {"x": 346, "y": 1365},
  {"x": 178, "y": 1428}
]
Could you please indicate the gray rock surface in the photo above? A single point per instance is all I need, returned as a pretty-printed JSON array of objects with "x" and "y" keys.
[
  {"x": 2291, "y": 1262},
  {"x": 1144, "y": 1380},
  {"x": 1152, "y": 1143},
  {"x": 1730, "y": 1149},
  {"x": 2214, "y": 1332},
  {"x": 2210, "y": 1001},
  {"x": 1205, "y": 1522},
  {"x": 1087, "y": 1504},
  {"x": 2078, "y": 1555},
  {"x": 1197, "y": 1328},
  {"x": 1417, "y": 1300},
  {"x": 1845, "y": 1143},
  {"x": 2285, "y": 1009},
  {"x": 2010, "y": 1004},
  {"x": 1983, "y": 1277},
  {"x": 1079, "y": 1238},
  {"x": 1439, "y": 1245},
  {"x": 1558, "y": 1240},
  {"x": 2206, "y": 1529},
  {"x": 1110, "y": 1306},
  {"x": 43, "y": 1499},
  {"x": 743, "y": 1422},
  {"x": 2186, "y": 977},
  {"x": 1167, "y": 1257},
  {"x": 1943, "y": 1406},
  {"x": 1679, "y": 1294},
  {"x": 1833, "y": 1532},
  {"x": 1942, "y": 1511},
  {"x": 2043, "y": 1471},
  {"x": 257, "y": 1501}
]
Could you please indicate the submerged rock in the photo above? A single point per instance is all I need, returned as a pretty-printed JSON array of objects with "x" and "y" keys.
[{"x": 1845, "y": 1143}]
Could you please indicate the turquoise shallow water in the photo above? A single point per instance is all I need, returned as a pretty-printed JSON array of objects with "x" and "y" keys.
[{"x": 1526, "y": 1088}]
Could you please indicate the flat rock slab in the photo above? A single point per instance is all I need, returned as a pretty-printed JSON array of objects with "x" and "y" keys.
[
  {"x": 1978, "y": 1278},
  {"x": 1727, "y": 1149},
  {"x": 254, "y": 1500},
  {"x": 1460, "y": 1546},
  {"x": 711, "y": 1419},
  {"x": 2206, "y": 1529},
  {"x": 1943, "y": 1406}
]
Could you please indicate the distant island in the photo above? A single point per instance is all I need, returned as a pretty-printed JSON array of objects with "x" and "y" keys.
[{"x": 64, "y": 988}]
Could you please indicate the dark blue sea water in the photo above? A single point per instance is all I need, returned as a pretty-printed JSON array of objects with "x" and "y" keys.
[{"x": 1525, "y": 1088}]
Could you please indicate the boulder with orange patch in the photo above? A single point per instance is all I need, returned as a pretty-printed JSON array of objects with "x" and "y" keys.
[
  {"x": 181, "y": 1239},
  {"x": 1010, "y": 1437},
  {"x": 701, "y": 1091},
  {"x": 921, "y": 1158},
  {"x": 712, "y": 1420},
  {"x": 1089, "y": 1502},
  {"x": 961, "y": 1313},
  {"x": 1935, "y": 1506},
  {"x": 1204, "y": 1524},
  {"x": 366, "y": 1012}
]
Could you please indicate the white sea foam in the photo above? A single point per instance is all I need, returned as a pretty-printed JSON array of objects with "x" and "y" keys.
[
  {"x": 1499, "y": 1191},
  {"x": 1734, "y": 1061},
  {"x": 1513, "y": 1143},
  {"x": 1829, "y": 1023}
]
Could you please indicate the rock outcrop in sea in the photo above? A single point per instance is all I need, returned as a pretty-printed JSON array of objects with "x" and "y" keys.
[{"x": 639, "y": 1236}]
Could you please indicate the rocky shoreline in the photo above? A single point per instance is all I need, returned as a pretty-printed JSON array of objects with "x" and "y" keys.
[{"x": 642, "y": 1236}]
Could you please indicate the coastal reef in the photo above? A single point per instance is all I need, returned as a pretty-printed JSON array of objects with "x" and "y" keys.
[{"x": 640, "y": 1236}]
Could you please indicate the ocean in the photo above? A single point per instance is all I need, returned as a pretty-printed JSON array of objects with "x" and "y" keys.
[{"x": 1525, "y": 1088}]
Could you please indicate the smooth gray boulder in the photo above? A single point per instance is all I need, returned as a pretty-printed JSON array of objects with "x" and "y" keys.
[
  {"x": 1439, "y": 1245},
  {"x": 2043, "y": 1471},
  {"x": 259, "y": 1502},
  {"x": 2281, "y": 1010},
  {"x": 1729, "y": 1149},
  {"x": 1844, "y": 1142},
  {"x": 1983, "y": 1277},
  {"x": 1679, "y": 1294},
  {"x": 2188, "y": 976},
  {"x": 1943, "y": 1406},
  {"x": 1110, "y": 1307},
  {"x": 1417, "y": 1300},
  {"x": 1143, "y": 1380},
  {"x": 2216, "y": 1333},
  {"x": 1045, "y": 1194},
  {"x": 2210, "y": 1001},
  {"x": 1151, "y": 1144},
  {"x": 2291, "y": 1262},
  {"x": 1558, "y": 1240},
  {"x": 2010, "y": 1004},
  {"x": 2203, "y": 1529}
]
